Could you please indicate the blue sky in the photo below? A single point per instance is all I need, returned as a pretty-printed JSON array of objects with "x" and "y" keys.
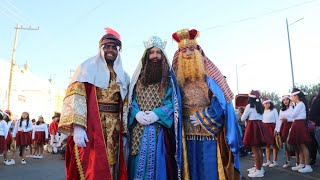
[{"x": 231, "y": 32}]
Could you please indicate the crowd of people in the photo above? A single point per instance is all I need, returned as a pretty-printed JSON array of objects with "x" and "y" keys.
[
  {"x": 25, "y": 133},
  {"x": 294, "y": 126},
  {"x": 169, "y": 121}
]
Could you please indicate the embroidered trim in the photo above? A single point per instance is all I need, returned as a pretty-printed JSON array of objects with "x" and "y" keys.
[
  {"x": 214, "y": 121},
  {"x": 72, "y": 119},
  {"x": 80, "y": 169},
  {"x": 176, "y": 122},
  {"x": 152, "y": 152},
  {"x": 200, "y": 138},
  {"x": 204, "y": 121},
  {"x": 142, "y": 155},
  {"x": 109, "y": 107},
  {"x": 221, "y": 174},
  {"x": 76, "y": 88}
]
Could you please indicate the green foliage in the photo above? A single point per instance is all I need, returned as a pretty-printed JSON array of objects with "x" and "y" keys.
[
  {"x": 309, "y": 90},
  {"x": 274, "y": 97}
]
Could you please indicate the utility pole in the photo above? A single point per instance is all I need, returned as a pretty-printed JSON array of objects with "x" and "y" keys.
[
  {"x": 292, "y": 75},
  {"x": 13, "y": 56}
]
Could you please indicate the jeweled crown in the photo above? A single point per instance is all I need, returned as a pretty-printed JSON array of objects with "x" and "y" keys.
[
  {"x": 155, "y": 41},
  {"x": 186, "y": 37}
]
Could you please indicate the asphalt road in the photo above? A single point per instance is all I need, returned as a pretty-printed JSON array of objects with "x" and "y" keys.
[
  {"x": 280, "y": 173},
  {"x": 51, "y": 167}
]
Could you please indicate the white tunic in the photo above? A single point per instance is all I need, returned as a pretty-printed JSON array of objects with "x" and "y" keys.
[
  {"x": 23, "y": 127},
  {"x": 250, "y": 114},
  {"x": 299, "y": 112},
  {"x": 40, "y": 128},
  {"x": 3, "y": 128},
  {"x": 272, "y": 117},
  {"x": 287, "y": 114}
]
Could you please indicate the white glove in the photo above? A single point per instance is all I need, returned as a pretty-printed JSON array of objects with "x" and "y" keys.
[
  {"x": 79, "y": 136},
  {"x": 140, "y": 117},
  {"x": 194, "y": 120},
  {"x": 151, "y": 117}
]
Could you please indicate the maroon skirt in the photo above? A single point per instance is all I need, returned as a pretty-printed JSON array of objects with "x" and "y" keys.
[
  {"x": 299, "y": 133},
  {"x": 284, "y": 130},
  {"x": 3, "y": 144},
  {"x": 23, "y": 138},
  {"x": 40, "y": 137},
  {"x": 256, "y": 134},
  {"x": 9, "y": 138},
  {"x": 270, "y": 130}
]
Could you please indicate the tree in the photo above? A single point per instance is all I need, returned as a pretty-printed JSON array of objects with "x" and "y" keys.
[
  {"x": 274, "y": 97},
  {"x": 309, "y": 90}
]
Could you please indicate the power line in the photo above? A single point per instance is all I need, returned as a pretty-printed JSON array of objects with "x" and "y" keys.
[
  {"x": 91, "y": 11},
  {"x": 12, "y": 5},
  {"x": 255, "y": 17},
  {"x": 21, "y": 19},
  {"x": 3, "y": 12}
]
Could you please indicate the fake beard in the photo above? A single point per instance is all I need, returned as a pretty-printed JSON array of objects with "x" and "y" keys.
[
  {"x": 153, "y": 72},
  {"x": 190, "y": 69}
]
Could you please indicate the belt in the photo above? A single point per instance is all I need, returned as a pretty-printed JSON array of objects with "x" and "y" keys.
[{"x": 109, "y": 107}]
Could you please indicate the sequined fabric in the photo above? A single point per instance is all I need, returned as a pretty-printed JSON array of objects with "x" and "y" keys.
[
  {"x": 110, "y": 120},
  {"x": 195, "y": 96},
  {"x": 148, "y": 98},
  {"x": 74, "y": 109}
]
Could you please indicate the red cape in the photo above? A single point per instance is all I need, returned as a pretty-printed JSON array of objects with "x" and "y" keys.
[{"x": 91, "y": 162}]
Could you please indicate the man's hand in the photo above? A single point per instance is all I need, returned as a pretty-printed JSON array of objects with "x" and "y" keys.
[
  {"x": 141, "y": 118},
  {"x": 79, "y": 136},
  {"x": 151, "y": 117},
  {"x": 194, "y": 120}
]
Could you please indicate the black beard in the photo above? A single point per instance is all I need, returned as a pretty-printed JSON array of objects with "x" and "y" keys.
[
  {"x": 153, "y": 72},
  {"x": 109, "y": 61}
]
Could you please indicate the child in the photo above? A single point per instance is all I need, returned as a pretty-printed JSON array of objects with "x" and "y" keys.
[
  {"x": 22, "y": 134},
  {"x": 272, "y": 124},
  {"x": 53, "y": 128},
  {"x": 3, "y": 134},
  {"x": 32, "y": 146},
  {"x": 255, "y": 135},
  {"x": 40, "y": 137},
  {"x": 285, "y": 114},
  {"x": 9, "y": 140},
  {"x": 298, "y": 135}
]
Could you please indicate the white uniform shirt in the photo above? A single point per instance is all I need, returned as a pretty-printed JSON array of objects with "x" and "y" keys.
[
  {"x": 287, "y": 114},
  {"x": 299, "y": 112},
  {"x": 41, "y": 127},
  {"x": 3, "y": 128},
  {"x": 250, "y": 114},
  {"x": 23, "y": 127},
  {"x": 272, "y": 117}
]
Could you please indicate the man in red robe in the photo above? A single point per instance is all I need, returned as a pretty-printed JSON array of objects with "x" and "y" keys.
[{"x": 92, "y": 115}]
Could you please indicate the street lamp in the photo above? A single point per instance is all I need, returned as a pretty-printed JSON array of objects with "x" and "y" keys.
[
  {"x": 290, "y": 48},
  {"x": 237, "y": 76}
]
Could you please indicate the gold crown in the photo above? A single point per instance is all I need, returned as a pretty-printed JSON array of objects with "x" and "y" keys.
[{"x": 186, "y": 37}]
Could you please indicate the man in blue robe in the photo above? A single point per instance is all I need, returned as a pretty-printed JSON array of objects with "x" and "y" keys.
[
  {"x": 208, "y": 138},
  {"x": 153, "y": 103}
]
